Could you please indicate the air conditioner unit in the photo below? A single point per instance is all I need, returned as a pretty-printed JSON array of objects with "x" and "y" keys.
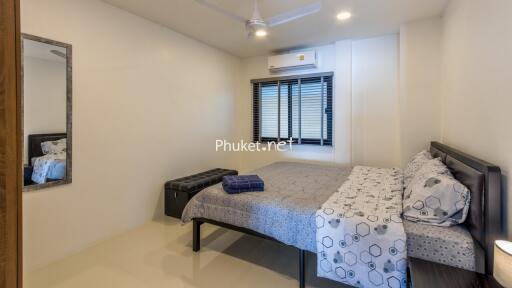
[{"x": 292, "y": 61}]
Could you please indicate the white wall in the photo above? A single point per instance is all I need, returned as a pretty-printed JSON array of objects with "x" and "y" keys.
[
  {"x": 44, "y": 98},
  {"x": 343, "y": 103},
  {"x": 360, "y": 91},
  {"x": 148, "y": 106},
  {"x": 375, "y": 111},
  {"x": 477, "y": 82},
  {"x": 420, "y": 85}
]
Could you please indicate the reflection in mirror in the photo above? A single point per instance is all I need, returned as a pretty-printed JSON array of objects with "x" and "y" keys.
[{"x": 46, "y": 112}]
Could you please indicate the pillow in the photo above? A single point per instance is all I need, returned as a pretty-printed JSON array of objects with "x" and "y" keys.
[
  {"x": 432, "y": 166},
  {"x": 414, "y": 165},
  {"x": 435, "y": 197},
  {"x": 54, "y": 147}
]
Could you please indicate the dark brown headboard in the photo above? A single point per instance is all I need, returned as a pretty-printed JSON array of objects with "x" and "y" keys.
[
  {"x": 483, "y": 179},
  {"x": 35, "y": 140}
]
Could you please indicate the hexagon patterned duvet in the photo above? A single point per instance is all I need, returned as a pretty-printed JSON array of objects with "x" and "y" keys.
[{"x": 360, "y": 235}]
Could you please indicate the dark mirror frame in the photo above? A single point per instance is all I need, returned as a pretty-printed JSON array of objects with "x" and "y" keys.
[{"x": 69, "y": 110}]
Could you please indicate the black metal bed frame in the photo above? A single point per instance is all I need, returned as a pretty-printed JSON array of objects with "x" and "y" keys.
[{"x": 196, "y": 242}]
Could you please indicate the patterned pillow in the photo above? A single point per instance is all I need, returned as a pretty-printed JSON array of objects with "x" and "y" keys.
[
  {"x": 435, "y": 197},
  {"x": 414, "y": 165},
  {"x": 433, "y": 166},
  {"x": 54, "y": 147}
]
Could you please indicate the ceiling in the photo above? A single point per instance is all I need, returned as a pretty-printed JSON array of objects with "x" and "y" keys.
[
  {"x": 370, "y": 18},
  {"x": 41, "y": 50}
]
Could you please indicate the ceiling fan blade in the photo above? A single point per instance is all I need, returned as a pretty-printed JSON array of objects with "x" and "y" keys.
[
  {"x": 294, "y": 14},
  {"x": 217, "y": 8},
  {"x": 58, "y": 53}
]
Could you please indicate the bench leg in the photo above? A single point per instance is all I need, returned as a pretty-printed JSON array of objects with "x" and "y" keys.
[
  {"x": 302, "y": 268},
  {"x": 196, "y": 235}
]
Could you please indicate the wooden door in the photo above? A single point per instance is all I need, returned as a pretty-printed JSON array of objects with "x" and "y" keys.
[{"x": 10, "y": 148}]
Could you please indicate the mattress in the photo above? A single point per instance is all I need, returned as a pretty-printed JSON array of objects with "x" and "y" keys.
[
  {"x": 286, "y": 209},
  {"x": 451, "y": 246}
]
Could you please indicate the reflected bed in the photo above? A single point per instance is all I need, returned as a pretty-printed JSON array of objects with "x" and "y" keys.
[{"x": 55, "y": 168}]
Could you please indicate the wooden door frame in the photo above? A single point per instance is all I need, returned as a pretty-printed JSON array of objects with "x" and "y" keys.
[{"x": 10, "y": 145}]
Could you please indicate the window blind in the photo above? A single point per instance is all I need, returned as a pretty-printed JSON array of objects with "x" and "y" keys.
[{"x": 297, "y": 107}]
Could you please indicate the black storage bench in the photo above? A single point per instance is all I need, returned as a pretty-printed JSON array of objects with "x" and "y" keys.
[{"x": 179, "y": 191}]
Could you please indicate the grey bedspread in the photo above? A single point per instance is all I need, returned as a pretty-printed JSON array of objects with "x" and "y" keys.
[{"x": 284, "y": 211}]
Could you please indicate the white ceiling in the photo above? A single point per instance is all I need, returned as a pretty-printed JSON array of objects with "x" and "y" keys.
[
  {"x": 371, "y": 18},
  {"x": 41, "y": 50}
]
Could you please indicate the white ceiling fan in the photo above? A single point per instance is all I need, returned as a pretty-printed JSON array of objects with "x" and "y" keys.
[{"x": 256, "y": 25}]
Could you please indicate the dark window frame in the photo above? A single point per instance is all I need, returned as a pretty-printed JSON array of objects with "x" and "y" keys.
[{"x": 327, "y": 91}]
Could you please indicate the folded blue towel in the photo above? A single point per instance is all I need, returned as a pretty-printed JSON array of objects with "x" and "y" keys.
[{"x": 234, "y": 184}]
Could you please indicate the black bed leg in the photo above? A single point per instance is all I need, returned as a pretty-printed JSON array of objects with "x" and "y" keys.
[
  {"x": 302, "y": 268},
  {"x": 196, "y": 236}
]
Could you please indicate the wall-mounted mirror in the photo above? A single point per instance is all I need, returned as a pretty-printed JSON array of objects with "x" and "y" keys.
[{"x": 47, "y": 95}]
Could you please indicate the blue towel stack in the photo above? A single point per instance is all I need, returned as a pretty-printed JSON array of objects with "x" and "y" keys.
[{"x": 242, "y": 183}]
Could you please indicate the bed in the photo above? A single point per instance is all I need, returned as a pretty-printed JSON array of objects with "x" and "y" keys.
[
  {"x": 55, "y": 168},
  {"x": 285, "y": 212}
]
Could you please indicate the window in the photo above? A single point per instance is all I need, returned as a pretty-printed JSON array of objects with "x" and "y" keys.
[{"x": 297, "y": 107}]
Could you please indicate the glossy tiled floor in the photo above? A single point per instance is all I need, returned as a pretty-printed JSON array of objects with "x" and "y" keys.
[{"x": 159, "y": 254}]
